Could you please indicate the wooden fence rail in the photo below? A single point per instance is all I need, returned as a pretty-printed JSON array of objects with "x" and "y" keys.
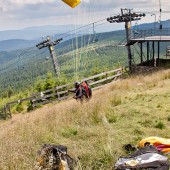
[{"x": 61, "y": 92}]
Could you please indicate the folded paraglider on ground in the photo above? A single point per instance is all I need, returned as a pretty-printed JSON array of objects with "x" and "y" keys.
[{"x": 148, "y": 155}]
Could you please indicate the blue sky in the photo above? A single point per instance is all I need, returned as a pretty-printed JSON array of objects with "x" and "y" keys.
[{"x": 18, "y": 14}]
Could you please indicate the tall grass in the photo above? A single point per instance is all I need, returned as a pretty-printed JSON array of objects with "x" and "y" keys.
[{"x": 123, "y": 112}]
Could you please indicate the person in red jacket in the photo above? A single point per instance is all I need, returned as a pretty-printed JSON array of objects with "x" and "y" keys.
[{"x": 81, "y": 91}]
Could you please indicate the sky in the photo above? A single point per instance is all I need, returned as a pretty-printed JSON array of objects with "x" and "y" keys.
[{"x": 19, "y": 14}]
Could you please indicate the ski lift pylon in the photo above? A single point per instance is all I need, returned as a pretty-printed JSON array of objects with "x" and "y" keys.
[
  {"x": 94, "y": 37},
  {"x": 72, "y": 3}
]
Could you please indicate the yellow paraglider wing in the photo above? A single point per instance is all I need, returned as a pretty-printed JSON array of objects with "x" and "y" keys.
[{"x": 72, "y": 3}]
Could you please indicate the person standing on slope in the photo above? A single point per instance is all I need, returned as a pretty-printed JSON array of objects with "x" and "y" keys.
[{"x": 81, "y": 91}]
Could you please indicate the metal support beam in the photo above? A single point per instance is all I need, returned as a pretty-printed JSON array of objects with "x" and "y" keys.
[
  {"x": 148, "y": 50},
  {"x": 141, "y": 52},
  {"x": 158, "y": 63},
  {"x": 153, "y": 53},
  {"x": 127, "y": 27},
  {"x": 54, "y": 61},
  {"x": 50, "y": 44},
  {"x": 127, "y": 16}
]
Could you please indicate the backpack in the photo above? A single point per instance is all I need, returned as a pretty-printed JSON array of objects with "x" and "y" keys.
[
  {"x": 147, "y": 158},
  {"x": 87, "y": 89},
  {"x": 53, "y": 157}
]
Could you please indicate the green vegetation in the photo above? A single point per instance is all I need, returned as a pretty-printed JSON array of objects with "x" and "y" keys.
[{"x": 160, "y": 125}]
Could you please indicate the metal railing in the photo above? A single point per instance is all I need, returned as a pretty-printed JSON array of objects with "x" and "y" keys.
[{"x": 149, "y": 32}]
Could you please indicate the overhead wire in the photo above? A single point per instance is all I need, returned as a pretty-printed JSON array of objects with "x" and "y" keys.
[
  {"x": 16, "y": 61},
  {"x": 81, "y": 29},
  {"x": 84, "y": 42},
  {"x": 85, "y": 28},
  {"x": 64, "y": 35}
]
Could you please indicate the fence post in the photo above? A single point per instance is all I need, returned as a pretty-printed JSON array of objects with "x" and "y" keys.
[
  {"x": 4, "y": 110},
  {"x": 58, "y": 95},
  {"x": 8, "y": 111}
]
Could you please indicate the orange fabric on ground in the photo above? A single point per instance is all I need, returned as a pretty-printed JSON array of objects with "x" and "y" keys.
[{"x": 161, "y": 144}]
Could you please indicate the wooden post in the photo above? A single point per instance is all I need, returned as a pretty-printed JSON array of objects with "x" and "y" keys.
[
  {"x": 5, "y": 114},
  {"x": 8, "y": 108}
]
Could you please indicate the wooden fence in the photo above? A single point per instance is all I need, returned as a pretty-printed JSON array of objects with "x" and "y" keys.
[{"x": 61, "y": 92}]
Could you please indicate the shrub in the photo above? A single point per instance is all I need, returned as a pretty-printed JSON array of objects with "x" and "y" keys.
[
  {"x": 29, "y": 107},
  {"x": 160, "y": 125},
  {"x": 19, "y": 107},
  {"x": 168, "y": 118}
]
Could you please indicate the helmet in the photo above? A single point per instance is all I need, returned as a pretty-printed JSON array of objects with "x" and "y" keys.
[{"x": 77, "y": 84}]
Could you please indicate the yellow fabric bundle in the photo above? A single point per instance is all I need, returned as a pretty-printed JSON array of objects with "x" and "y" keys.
[
  {"x": 72, "y": 3},
  {"x": 162, "y": 144}
]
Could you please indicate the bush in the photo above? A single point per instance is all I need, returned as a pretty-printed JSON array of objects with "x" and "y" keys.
[
  {"x": 160, "y": 125},
  {"x": 19, "y": 107},
  {"x": 168, "y": 118},
  {"x": 29, "y": 107}
]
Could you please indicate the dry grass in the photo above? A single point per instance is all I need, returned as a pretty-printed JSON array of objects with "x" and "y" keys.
[{"x": 122, "y": 112}]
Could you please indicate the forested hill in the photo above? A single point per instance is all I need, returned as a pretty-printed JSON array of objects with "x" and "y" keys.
[
  {"x": 7, "y": 55},
  {"x": 15, "y": 44},
  {"x": 78, "y": 57}
]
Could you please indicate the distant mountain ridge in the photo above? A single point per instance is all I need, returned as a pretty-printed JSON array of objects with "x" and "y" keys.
[
  {"x": 32, "y": 33},
  {"x": 14, "y": 44},
  {"x": 67, "y": 45},
  {"x": 165, "y": 24},
  {"x": 29, "y": 37}
]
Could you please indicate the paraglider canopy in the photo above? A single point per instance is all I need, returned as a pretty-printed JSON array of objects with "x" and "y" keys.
[{"x": 72, "y": 3}]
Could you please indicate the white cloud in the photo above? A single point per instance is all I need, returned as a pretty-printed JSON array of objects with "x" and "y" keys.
[
  {"x": 7, "y": 5},
  {"x": 23, "y": 13},
  {"x": 23, "y": 2}
]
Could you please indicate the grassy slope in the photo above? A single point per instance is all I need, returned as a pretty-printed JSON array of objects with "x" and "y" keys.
[{"x": 123, "y": 112}]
